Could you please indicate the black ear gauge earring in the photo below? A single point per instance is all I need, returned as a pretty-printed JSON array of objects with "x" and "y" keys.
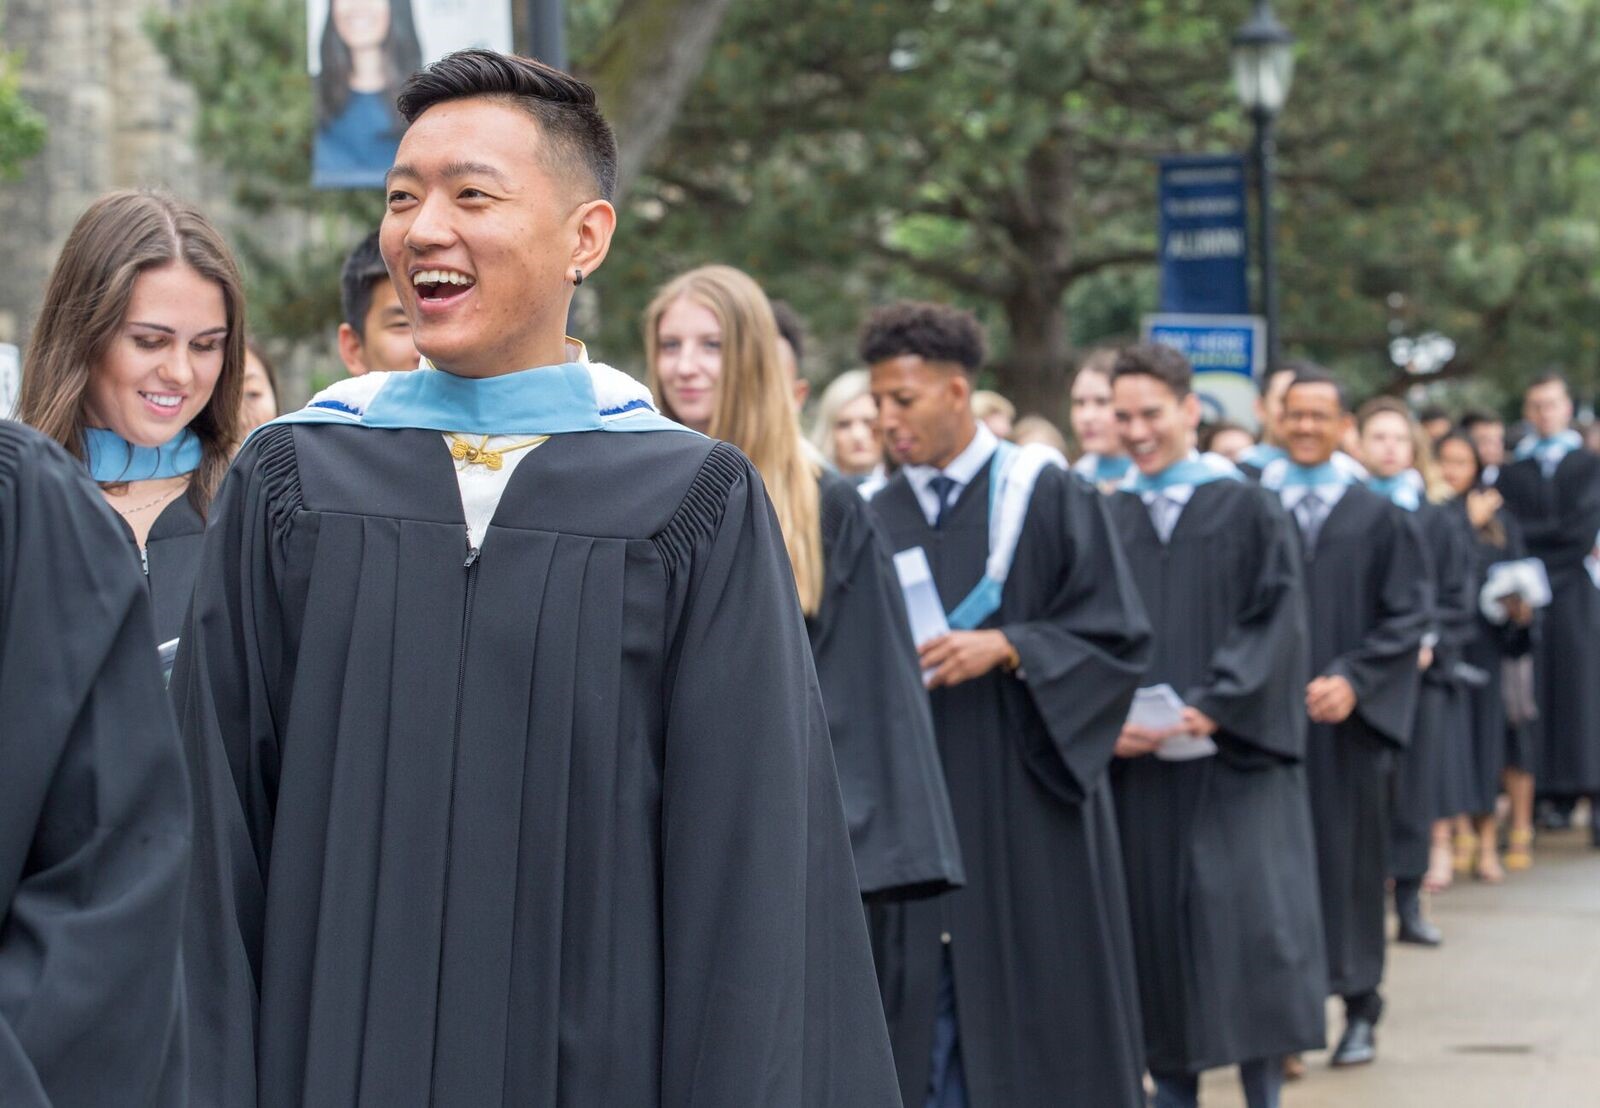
[{"x": 577, "y": 277}]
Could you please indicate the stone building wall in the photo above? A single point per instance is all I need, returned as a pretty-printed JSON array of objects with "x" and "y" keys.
[{"x": 116, "y": 118}]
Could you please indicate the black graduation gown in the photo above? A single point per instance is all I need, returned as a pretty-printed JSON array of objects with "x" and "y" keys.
[
  {"x": 1433, "y": 776},
  {"x": 1368, "y": 610},
  {"x": 172, "y": 558},
  {"x": 94, "y": 810},
  {"x": 902, "y": 832},
  {"x": 1039, "y": 937},
  {"x": 1485, "y": 652},
  {"x": 554, "y": 822},
  {"x": 1560, "y": 518},
  {"x": 1220, "y": 861}
]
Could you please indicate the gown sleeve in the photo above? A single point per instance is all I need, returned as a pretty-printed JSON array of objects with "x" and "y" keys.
[
  {"x": 1456, "y": 593},
  {"x": 1564, "y": 538},
  {"x": 902, "y": 832},
  {"x": 1514, "y": 641},
  {"x": 94, "y": 810},
  {"x": 1254, "y": 686},
  {"x": 1072, "y": 611},
  {"x": 770, "y": 996},
  {"x": 1382, "y": 668},
  {"x": 224, "y": 684}
]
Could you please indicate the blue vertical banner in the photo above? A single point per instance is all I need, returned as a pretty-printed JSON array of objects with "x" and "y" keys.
[{"x": 1205, "y": 249}]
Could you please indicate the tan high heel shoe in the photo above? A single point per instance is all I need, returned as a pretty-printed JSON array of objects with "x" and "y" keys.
[{"x": 1519, "y": 850}]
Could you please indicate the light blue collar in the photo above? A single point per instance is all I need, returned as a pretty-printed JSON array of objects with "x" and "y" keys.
[
  {"x": 549, "y": 400},
  {"x": 1101, "y": 468},
  {"x": 1194, "y": 471},
  {"x": 1262, "y": 454},
  {"x": 1403, "y": 489},
  {"x": 113, "y": 459},
  {"x": 1555, "y": 447}
]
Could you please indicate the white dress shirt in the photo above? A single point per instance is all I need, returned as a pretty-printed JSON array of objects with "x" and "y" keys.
[{"x": 962, "y": 470}]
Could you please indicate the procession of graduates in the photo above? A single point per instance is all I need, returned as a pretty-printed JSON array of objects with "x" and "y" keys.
[{"x": 499, "y": 729}]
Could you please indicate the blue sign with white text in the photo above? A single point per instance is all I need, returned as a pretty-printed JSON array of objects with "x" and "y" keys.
[
  {"x": 1227, "y": 353},
  {"x": 1205, "y": 249}
]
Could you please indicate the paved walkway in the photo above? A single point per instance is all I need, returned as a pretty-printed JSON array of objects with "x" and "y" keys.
[{"x": 1505, "y": 1015}]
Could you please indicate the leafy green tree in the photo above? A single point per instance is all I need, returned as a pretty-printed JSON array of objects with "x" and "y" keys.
[
  {"x": 1439, "y": 164},
  {"x": 21, "y": 127},
  {"x": 1434, "y": 155}
]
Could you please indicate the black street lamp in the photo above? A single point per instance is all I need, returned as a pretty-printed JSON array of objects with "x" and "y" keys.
[
  {"x": 1263, "y": 66},
  {"x": 547, "y": 32}
]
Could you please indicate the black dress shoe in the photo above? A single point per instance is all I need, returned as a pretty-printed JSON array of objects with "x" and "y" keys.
[
  {"x": 1358, "y": 1046},
  {"x": 1414, "y": 928},
  {"x": 1419, "y": 932}
]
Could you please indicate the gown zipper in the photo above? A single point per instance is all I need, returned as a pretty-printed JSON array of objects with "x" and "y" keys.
[{"x": 470, "y": 567}]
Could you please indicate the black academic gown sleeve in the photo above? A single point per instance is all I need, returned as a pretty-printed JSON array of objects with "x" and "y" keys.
[
  {"x": 225, "y": 685},
  {"x": 1382, "y": 667},
  {"x": 770, "y": 995},
  {"x": 902, "y": 832},
  {"x": 1085, "y": 650},
  {"x": 1253, "y": 686},
  {"x": 94, "y": 818},
  {"x": 1560, "y": 516}
]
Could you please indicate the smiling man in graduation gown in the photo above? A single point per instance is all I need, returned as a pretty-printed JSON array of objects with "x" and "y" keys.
[
  {"x": 1368, "y": 610},
  {"x": 1216, "y": 836},
  {"x": 94, "y": 811},
  {"x": 513, "y": 782},
  {"x": 1017, "y": 991},
  {"x": 1553, "y": 489}
]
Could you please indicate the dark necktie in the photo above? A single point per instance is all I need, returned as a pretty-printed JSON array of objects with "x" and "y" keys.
[
  {"x": 942, "y": 487},
  {"x": 1310, "y": 512}
]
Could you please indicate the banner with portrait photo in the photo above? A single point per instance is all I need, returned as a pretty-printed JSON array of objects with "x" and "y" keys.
[{"x": 359, "y": 53}]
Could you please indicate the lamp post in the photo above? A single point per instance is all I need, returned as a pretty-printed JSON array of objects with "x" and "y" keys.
[
  {"x": 547, "y": 32},
  {"x": 1263, "y": 66}
]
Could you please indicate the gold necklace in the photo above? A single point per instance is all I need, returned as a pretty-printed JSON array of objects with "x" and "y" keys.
[
  {"x": 142, "y": 507},
  {"x": 479, "y": 454}
]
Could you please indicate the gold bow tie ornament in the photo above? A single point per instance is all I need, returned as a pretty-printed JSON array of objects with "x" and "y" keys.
[{"x": 479, "y": 454}]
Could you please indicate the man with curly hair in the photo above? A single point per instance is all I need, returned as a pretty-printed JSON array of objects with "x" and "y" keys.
[{"x": 1019, "y": 989}]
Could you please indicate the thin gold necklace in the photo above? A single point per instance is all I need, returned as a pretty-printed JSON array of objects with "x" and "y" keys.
[
  {"x": 479, "y": 454},
  {"x": 169, "y": 494}
]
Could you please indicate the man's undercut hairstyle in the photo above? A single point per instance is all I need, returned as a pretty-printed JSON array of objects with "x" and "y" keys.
[
  {"x": 563, "y": 106},
  {"x": 1152, "y": 359},
  {"x": 932, "y": 332},
  {"x": 1550, "y": 377},
  {"x": 1478, "y": 417},
  {"x": 363, "y": 269},
  {"x": 792, "y": 330},
  {"x": 1315, "y": 375},
  {"x": 1430, "y": 412}
]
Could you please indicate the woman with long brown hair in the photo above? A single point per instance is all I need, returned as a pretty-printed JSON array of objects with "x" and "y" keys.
[
  {"x": 712, "y": 356},
  {"x": 135, "y": 367},
  {"x": 1502, "y": 651},
  {"x": 1430, "y": 783}
]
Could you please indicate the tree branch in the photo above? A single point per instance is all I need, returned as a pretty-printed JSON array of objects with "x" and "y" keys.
[
  {"x": 943, "y": 271},
  {"x": 1083, "y": 267}
]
